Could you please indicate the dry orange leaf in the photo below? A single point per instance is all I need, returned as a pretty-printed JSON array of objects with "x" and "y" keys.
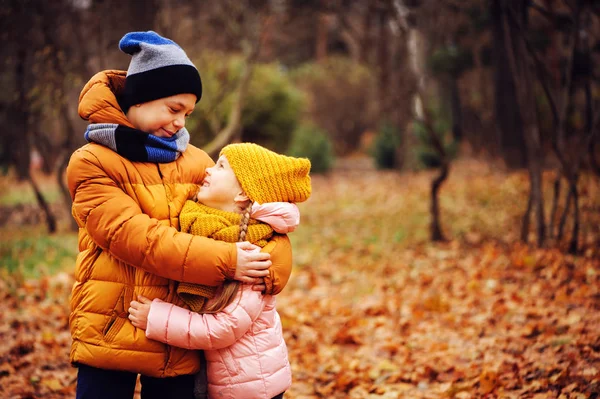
[{"x": 487, "y": 381}]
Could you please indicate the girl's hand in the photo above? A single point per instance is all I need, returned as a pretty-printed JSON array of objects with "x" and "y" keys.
[
  {"x": 259, "y": 285},
  {"x": 138, "y": 312},
  {"x": 252, "y": 265}
]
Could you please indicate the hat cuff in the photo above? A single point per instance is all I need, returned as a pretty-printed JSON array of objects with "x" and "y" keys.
[{"x": 160, "y": 83}]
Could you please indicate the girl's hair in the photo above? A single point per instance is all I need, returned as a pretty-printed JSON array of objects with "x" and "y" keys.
[{"x": 230, "y": 287}]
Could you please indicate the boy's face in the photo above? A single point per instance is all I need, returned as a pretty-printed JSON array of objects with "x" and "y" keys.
[
  {"x": 162, "y": 117},
  {"x": 221, "y": 188}
]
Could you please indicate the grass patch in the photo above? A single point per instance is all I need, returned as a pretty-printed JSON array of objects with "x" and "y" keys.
[
  {"x": 21, "y": 193},
  {"x": 31, "y": 252}
]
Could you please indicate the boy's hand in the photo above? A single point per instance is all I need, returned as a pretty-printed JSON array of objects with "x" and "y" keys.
[
  {"x": 252, "y": 265},
  {"x": 138, "y": 312}
]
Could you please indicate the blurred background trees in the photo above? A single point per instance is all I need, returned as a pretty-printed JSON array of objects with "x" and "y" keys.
[{"x": 512, "y": 82}]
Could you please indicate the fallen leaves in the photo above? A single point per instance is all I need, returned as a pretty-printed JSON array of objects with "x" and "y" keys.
[
  {"x": 488, "y": 380},
  {"x": 369, "y": 315}
]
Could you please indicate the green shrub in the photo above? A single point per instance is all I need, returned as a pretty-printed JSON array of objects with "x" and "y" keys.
[
  {"x": 272, "y": 106},
  {"x": 385, "y": 147},
  {"x": 340, "y": 99},
  {"x": 450, "y": 60},
  {"x": 311, "y": 142},
  {"x": 426, "y": 153}
]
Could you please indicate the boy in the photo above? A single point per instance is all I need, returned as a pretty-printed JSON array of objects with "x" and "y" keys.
[{"x": 128, "y": 186}]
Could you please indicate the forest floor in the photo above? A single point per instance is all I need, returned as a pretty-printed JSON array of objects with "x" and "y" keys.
[{"x": 374, "y": 310}]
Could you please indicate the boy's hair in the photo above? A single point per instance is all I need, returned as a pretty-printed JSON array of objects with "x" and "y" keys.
[{"x": 159, "y": 68}]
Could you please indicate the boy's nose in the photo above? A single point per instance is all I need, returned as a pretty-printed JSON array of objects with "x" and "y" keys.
[{"x": 179, "y": 122}]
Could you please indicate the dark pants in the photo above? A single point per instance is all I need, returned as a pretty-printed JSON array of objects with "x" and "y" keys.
[
  {"x": 280, "y": 396},
  {"x": 94, "y": 383}
]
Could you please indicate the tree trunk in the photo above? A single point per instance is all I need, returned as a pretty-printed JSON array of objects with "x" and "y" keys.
[
  {"x": 383, "y": 69},
  {"x": 526, "y": 218},
  {"x": 435, "y": 227},
  {"x": 267, "y": 47},
  {"x": 21, "y": 151},
  {"x": 555, "y": 199},
  {"x": 50, "y": 218},
  {"x": 67, "y": 148},
  {"x": 322, "y": 37},
  {"x": 595, "y": 165},
  {"x": 367, "y": 40},
  {"x": 509, "y": 125},
  {"x": 421, "y": 114},
  {"x": 519, "y": 66},
  {"x": 226, "y": 135},
  {"x": 64, "y": 191},
  {"x": 575, "y": 231},
  {"x": 535, "y": 170},
  {"x": 563, "y": 218},
  {"x": 25, "y": 153},
  {"x": 591, "y": 128},
  {"x": 456, "y": 108}
]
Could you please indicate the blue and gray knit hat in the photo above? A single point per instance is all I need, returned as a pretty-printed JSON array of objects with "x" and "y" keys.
[{"x": 159, "y": 68}]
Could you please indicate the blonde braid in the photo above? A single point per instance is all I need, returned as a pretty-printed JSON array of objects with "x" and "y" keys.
[
  {"x": 230, "y": 287},
  {"x": 244, "y": 222}
]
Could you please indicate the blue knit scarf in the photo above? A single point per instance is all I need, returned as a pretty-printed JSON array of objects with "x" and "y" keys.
[{"x": 136, "y": 145}]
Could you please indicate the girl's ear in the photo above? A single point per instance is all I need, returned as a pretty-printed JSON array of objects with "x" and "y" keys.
[{"x": 241, "y": 197}]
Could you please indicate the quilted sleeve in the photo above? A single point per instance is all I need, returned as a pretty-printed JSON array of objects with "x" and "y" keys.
[
  {"x": 280, "y": 249},
  {"x": 116, "y": 224},
  {"x": 183, "y": 328}
]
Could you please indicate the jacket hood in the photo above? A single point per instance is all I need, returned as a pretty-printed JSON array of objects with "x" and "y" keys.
[{"x": 98, "y": 100}]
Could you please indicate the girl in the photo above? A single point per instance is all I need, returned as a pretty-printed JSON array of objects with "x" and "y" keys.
[
  {"x": 128, "y": 186},
  {"x": 239, "y": 329}
]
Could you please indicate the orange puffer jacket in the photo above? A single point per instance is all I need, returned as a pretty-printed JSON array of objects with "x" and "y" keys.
[{"x": 129, "y": 245}]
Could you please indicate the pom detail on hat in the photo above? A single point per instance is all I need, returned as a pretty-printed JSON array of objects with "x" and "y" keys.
[
  {"x": 130, "y": 43},
  {"x": 266, "y": 176},
  {"x": 159, "y": 68}
]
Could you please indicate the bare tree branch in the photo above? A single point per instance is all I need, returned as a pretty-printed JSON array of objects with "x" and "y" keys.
[
  {"x": 550, "y": 16},
  {"x": 542, "y": 72},
  {"x": 226, "y": 135}
]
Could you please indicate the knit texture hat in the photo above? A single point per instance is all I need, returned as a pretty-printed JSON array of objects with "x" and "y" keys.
[
  {"x": 159, "y": 68},
  {"x": 267, "y": 176}
]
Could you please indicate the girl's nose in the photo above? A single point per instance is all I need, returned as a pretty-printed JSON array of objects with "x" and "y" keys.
[{"x": 208, "y": 171}]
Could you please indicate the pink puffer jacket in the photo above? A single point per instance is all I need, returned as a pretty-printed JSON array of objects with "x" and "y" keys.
[{"x": 244, "y": 347}]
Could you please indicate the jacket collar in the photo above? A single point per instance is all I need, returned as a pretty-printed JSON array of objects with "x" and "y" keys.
[{"x": 98, "y": 100}]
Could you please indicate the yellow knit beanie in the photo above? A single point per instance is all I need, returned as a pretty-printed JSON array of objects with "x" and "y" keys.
[{"x": 266, "y": 176}]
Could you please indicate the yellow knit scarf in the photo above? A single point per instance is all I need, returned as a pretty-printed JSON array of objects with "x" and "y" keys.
[{"x": 201, "y": 220}]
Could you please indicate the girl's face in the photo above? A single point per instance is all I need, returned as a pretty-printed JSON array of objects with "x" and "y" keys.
[
  {"x": 221, "y": 189},
  {"x": 162, "y": 117}
]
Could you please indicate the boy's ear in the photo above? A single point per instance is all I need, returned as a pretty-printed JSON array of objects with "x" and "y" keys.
[{"x": 241, "y": 197}]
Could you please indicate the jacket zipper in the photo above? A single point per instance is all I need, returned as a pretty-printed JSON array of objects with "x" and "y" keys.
[
  {"x": 167, "y": 359},
  {"x": 168, "y": 347}
]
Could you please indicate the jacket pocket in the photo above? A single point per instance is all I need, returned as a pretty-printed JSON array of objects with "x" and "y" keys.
[
  {"x": 118, "y": 316},
  {"x": 230, "y": 362}
]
